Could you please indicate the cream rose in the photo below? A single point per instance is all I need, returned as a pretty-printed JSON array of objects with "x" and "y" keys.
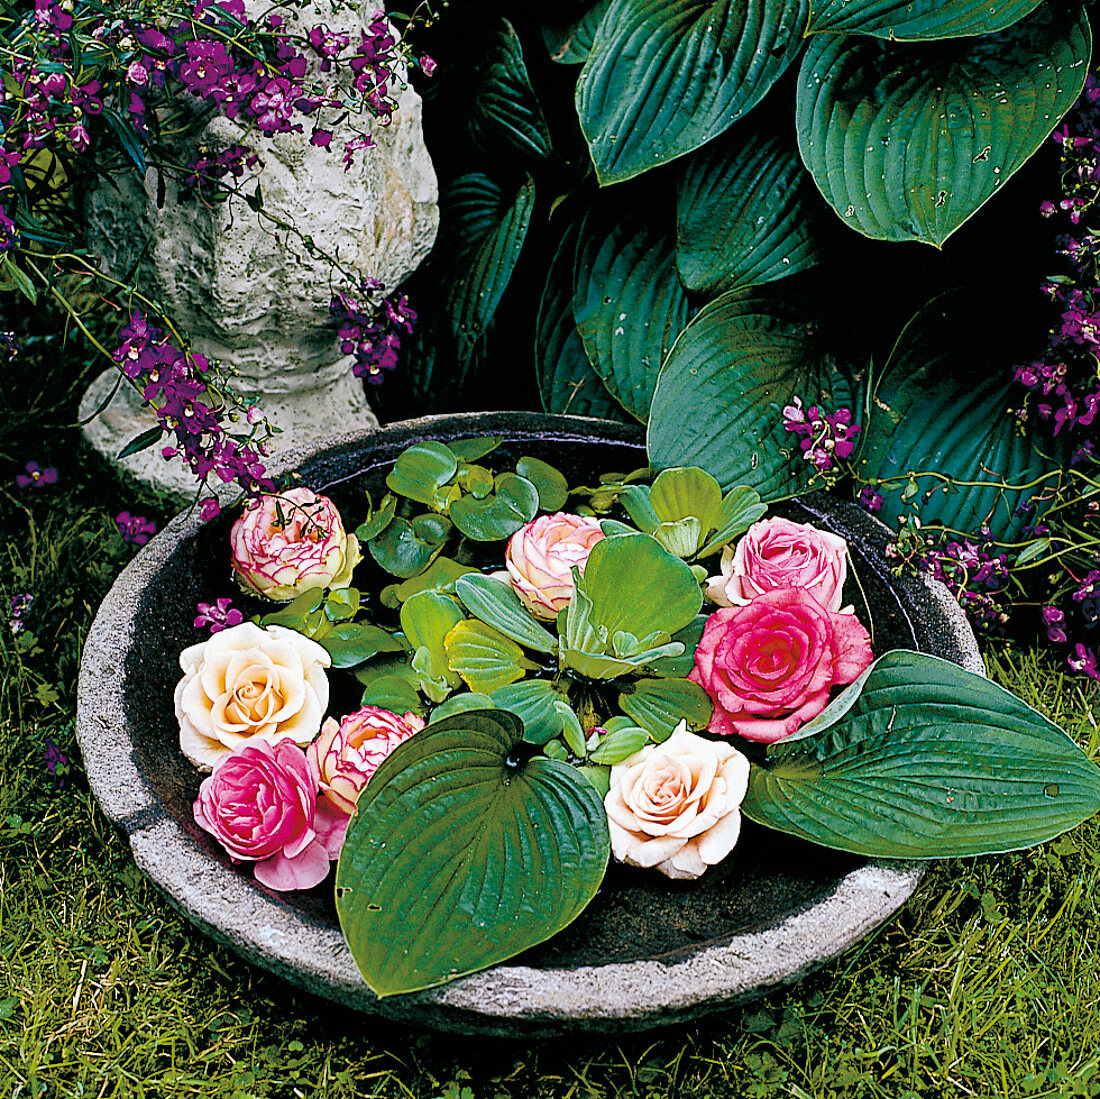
[
  {"x": 776, "y": 553},
  {"x": 540, "y": 559},
  {"x": 286, "y": 544},
  {"x": 676, "y": 806},
  {"x": 247, "y": 684}
]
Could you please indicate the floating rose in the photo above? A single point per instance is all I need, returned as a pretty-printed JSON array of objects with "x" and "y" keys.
[
  {"x": 776, "y": 553},
  {"x": 540, "y": 559},
  {"x": 247, "y": 684},
  {"x": 769, "y": 666},
  {"x": 676, "y": 806},
  {"x": 347, "y": 753},
  {"x": 286, "y": 544},
  {"x": 261, "y": 804}
]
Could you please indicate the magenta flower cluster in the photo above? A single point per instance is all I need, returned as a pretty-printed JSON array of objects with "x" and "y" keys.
[
  {"x": 370, "y": 333},
  {"x": 976, "y": 573},
  {"x": 209, "y": 168},
  {"x": 135, "y": 528},
  {"x": 19, "y": 606},
  {"x": 174, "y": 382},
  {"x": 219, "y": 615},
  {"x": 825, "y": 438},
  {"x": 1063, "y": 385}
]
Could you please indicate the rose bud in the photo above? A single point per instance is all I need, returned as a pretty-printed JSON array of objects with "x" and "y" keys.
[{"x": 540, "y": 559}]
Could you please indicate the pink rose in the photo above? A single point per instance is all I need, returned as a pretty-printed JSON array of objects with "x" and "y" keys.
[
  {"x": 261, "y": 804},
  {"x": 284, "y": 545},
  {"x": 776, "y": 553},
  {"x": 347, "y": 754},
  {"x": 769, "y": 666},
  {"x": 676, "y": 806},
  {"x": 540, "y": 559}
]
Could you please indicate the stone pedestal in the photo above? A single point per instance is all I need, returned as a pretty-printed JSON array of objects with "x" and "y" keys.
[{"x": 248, "y": 292}]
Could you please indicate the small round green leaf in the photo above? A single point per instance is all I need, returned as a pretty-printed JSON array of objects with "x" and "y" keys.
[
  {"x": 514, "y": 502},
  {"x": 552, "y": 486},
  {"x": 907, "y": 141},
  {"x": 459, "y": 856},
  {"x": 421, "y": 470}
]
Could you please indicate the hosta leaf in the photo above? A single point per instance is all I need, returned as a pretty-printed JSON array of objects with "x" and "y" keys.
[
  {"x": 659, "y": 705},
  {"x": 532, "y": 701},
  {"x": 459, "y": 856},
  {"x": 567, "y": 382},
  {"x": 481, "y": 231},
  {"x": 720, "y": 397},
  {"x": 569, "y": 43},
  {"x": 504, "y": 105},
  {"x": 498, "y": 605},
  {"x": 629, "y": 304},
  {"x": 665, "y": 76},
  {"x": 907, "y": 141},
  {"x": 921, "y": 759},
  {"x": 745, "y": 211},
  {"x": 963, "y": 390},
  {"x": 903, "y": 20},
  {"x": 484, "y": 657},
  {"x": 514, "y": 502}
]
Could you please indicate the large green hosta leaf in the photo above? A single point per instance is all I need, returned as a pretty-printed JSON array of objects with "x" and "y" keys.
[
  {"x": 921, "y": 759},
  {"x": 903, "y": 20},
  {"x": 942, "y": 405},
  {"x": 460, "y": 856},
  {"x": 744, "y": 213},
  {"x": 482, "y": 229},
  {"x": 907, "y": 141},
  {"x": 504, "y": 105},
  {"x": 720, "y": 397},
  {"x": 567, "y": 382},
  {"x": 665, "y": 76},
  {"x": 629, "y": 304}
]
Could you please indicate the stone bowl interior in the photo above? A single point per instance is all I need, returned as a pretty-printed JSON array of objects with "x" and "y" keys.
[{"x": 636, "y": 916}]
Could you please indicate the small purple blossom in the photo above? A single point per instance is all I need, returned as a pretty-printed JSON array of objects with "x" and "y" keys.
[
  {"x": 135, "y": 528},
  {"x": 36, "y": 476},
  {"x": 1055, "y": 624},
  {"x": 371, "y": 331},
  {"x": 219, "y": 615},
  {"x": 871, "y": 498},
  {"x": 825, "y": 437},
  {"x": 18, "y": 608},
  {"x": 56, "y": 761},
  {"x": 1084, "y": 660},
  {"x": 427, "y": 64}
]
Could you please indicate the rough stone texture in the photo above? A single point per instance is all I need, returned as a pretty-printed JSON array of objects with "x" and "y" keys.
[
  {"x": 646, "y": 952},
  {"x": 246, "y": 292}
]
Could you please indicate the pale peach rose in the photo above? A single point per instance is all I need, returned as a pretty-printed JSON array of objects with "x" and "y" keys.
[
  {"x": 348, "y": 752},
  {"x": 540, "y": 559},
  {"x": 776, "y": 553},
  {"x": 247, "y": 684},
  {"x": 284, "y": 545},
  {"x": 676, "y": 806}
]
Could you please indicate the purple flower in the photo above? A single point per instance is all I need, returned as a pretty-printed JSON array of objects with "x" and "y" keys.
[
  {"x": 135, "y": 528},
  {"x": 209, "y": 508},
  {"x": 870, "y": 498},
  {"x": 427, "y": 65},
  {"x": 56, "y": 762},
  {"x": 1055, "y": 621},
  {"x": 207, "y": 68},
  {"x": 36, "y": 476},
  {"x": 219, "y": 615},
  {"x": 1083, "y": 660}
]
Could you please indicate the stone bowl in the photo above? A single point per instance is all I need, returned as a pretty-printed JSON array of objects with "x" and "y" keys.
[{"x": 647, "y": 952}]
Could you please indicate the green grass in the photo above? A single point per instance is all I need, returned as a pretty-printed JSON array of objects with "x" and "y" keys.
[{"x": 985, "y": 984}]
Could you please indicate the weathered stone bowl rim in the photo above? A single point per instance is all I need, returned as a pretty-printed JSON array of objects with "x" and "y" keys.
[{"x": 508, "y": 1000}]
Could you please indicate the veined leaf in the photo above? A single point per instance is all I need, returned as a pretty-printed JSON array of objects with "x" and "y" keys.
[
  {"x": 907, "y": 141},
  {"x": 745, "y": 213},
  {"x": 965, "y": 391},
  {"x": 484, "y": 657},
  {"x": 482, "y": 229},
  {"x": 720, "y": 397},
  {"x": 665, "y": 76},
  {"x": 504, "y": 106},
  {"x": 567, "y": 382},
  {"x": 921, "y": 759},
  {"x": 569, "y": 43},
  {"x": 628, "y": 302},
  {"x": 659, "y": 705},
  {"x": 459, "y": 857},
  {"x": 495, "y": 603},
  {"x": 532, "y": 701},
  {"x": 909, "y": 20}
]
